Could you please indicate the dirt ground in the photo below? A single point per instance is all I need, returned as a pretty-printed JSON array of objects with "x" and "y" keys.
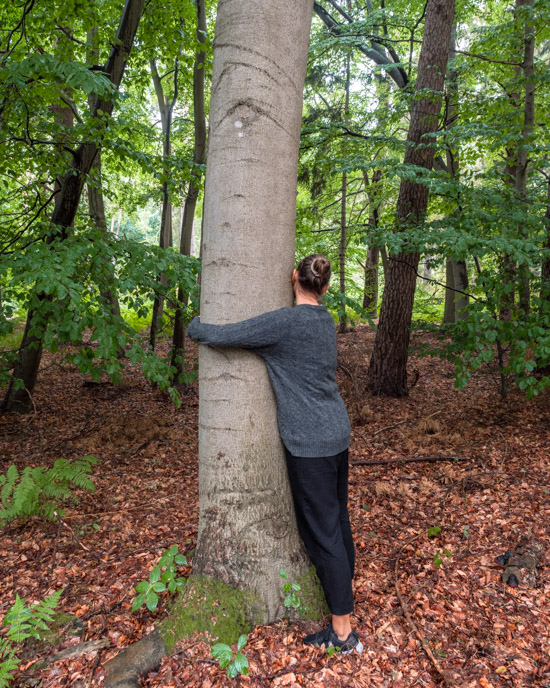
[{"x": 431, "y": 607}]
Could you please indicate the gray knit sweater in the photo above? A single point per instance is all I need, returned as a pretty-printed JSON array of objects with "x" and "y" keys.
[{"x": 299, "y": 348}]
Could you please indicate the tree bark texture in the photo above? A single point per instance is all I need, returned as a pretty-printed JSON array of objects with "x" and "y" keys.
[
  {"x": 66, "y": 206},
  {"x": 199, "y": 158},
  {"x": 388, "y": 366},
  {"x": 247, "y": 529}
]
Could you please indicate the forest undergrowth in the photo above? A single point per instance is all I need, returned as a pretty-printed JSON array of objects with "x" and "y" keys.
[{"x": 427, "y": 532}]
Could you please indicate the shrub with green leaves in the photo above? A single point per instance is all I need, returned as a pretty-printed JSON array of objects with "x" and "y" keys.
[
  {"x": 234, "y": 664},
  {"x": 39, "y": 491},
  {"x": 24, "y": 622},
  {"x": 160, "y": 580}
]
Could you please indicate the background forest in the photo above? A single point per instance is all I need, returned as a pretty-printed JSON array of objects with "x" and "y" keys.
[
  {"x": 126, "y": 256},
  {"x": 424, "y": 175}
]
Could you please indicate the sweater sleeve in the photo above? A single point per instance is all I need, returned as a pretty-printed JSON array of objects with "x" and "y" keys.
[{"x": 263, "y": 330}]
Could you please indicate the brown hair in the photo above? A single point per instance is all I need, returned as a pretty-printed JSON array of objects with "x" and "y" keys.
[{"x": 314, "y": 273}]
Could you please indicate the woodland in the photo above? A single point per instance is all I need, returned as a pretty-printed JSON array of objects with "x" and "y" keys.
[{"x": 161, "y": 159}]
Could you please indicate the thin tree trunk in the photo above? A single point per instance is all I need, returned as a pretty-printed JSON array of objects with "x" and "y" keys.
[
  {"x": 19, "y": 394},
  {"x": 370, "y": 290},
  {"x": 343, "y": 217},
  {"x": 166, "y": 108},
  {"x": 247, "y": 529},
  {"x": 388, "y": 365},
  {"x": 545, "y": 267},
  {"x": 96, "y": 204},
  {"x": 449, "y": 315},
  {"x": 527, "y": 132},
  {"x": 199, "y": 157}
]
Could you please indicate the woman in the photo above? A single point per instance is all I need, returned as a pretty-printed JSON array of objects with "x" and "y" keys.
[{"x": 298, "y": 346}]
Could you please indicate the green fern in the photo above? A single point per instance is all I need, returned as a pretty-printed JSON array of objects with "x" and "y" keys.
[
  {"x": 39, "y": 492},
  {"x": 24, "y": 622}
]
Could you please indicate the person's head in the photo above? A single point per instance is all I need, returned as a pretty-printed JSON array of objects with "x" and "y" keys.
[{"x": 312, "y": 275}]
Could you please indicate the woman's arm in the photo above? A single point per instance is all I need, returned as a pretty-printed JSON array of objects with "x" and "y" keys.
[{"x": 263, "y": 330}]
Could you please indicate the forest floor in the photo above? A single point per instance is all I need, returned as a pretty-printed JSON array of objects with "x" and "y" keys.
[{"x": 427, "y": 532}]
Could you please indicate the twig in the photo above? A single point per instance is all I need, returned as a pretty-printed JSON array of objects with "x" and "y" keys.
[
  {"x": 395, "y": 425},
  {"x": 423, "y": 642},
  {"x": 389, "y": 427},
  {"x": 405, "y": 459},
  {"x": 78, "y": 542}
]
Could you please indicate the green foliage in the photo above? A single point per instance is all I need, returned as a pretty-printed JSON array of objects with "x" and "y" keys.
[
  {"x": 235, "y": 664},
  {"x": 38, "y": 491},
  {"x": 23, "y": 622},
  {"x": 163, "y": 577},
  {"x": 438, "y": 557},
  {"x": 434, "y": 531},
  {"x": 292, "y": 599}
]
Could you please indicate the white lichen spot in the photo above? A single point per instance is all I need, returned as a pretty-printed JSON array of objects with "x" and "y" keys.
[
  {"x": 238, "y": 124},
  {"x": 240, "y": 134}
]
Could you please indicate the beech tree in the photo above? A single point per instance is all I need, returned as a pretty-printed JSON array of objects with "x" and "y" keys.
[{"x": 247, "y": 530}]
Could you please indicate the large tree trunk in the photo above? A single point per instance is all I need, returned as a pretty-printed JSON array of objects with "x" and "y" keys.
[
  {"x": 199, "y": 157},
  {"x": 247, "y": 530},
  {"x": 388, "y": 366}
]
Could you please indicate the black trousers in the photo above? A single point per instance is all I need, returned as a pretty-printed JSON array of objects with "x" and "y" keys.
[{"x": 320, "y": 492}]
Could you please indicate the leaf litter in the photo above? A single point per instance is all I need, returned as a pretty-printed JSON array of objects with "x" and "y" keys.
[{"x": 459, "y": 478}]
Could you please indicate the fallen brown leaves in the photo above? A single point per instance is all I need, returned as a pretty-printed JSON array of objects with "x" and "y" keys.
[{"x": 479, "y": 632}]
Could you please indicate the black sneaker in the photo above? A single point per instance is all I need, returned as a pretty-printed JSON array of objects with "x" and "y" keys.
[{"x": 328, "y": 638}]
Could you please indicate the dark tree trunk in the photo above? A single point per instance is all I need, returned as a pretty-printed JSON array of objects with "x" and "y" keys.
[
  {"x": 526, "y": 134},
  {"x": 388, "y": 366},
  {"x": 96, "y": 205},
  {"x": 370, "y": 291},
  {"x": 449, "y": 312},
  {"x": 199, "y": 157},
  {"x": 166, "y": 108},
  {"x": 545, "y": 267},
  {"x": 19, "y": 395}
]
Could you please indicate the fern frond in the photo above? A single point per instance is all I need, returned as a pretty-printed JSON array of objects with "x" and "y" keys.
[{"x": 17, "y": 618}]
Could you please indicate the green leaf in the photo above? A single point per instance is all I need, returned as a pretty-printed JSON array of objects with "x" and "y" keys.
[
  {"x": 137, "y": 603},
  {"x": 223, "y": 653},
  {"x": 143, "y": 586},
  {"x": 241, "y": 642},
  {"x": 152, "y": 601},
  {"x": 154, "y": 576},
  {"x": 159, "y": 586},
  {"x": 241, "y": 663},
  {"x": 181, "y": 560}
]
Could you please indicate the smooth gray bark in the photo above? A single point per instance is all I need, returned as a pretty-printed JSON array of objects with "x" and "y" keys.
[{"x": 247, "y": 529}]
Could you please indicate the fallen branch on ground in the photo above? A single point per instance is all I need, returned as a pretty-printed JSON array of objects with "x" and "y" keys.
[{"x": 405, "y": 459}]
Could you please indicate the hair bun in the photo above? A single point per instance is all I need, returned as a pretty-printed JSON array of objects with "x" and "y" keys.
[
  {"x": 314, "y": 273},
  {"x": 320, "y": 266}
]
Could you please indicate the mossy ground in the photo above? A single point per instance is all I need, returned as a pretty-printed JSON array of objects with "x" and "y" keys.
[
  {"x": 311, "y": 593},
  {"x": 209, "y": 606}
]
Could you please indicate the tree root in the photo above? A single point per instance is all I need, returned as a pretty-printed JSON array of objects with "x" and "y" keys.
[{"x": 124, "y": 670}]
